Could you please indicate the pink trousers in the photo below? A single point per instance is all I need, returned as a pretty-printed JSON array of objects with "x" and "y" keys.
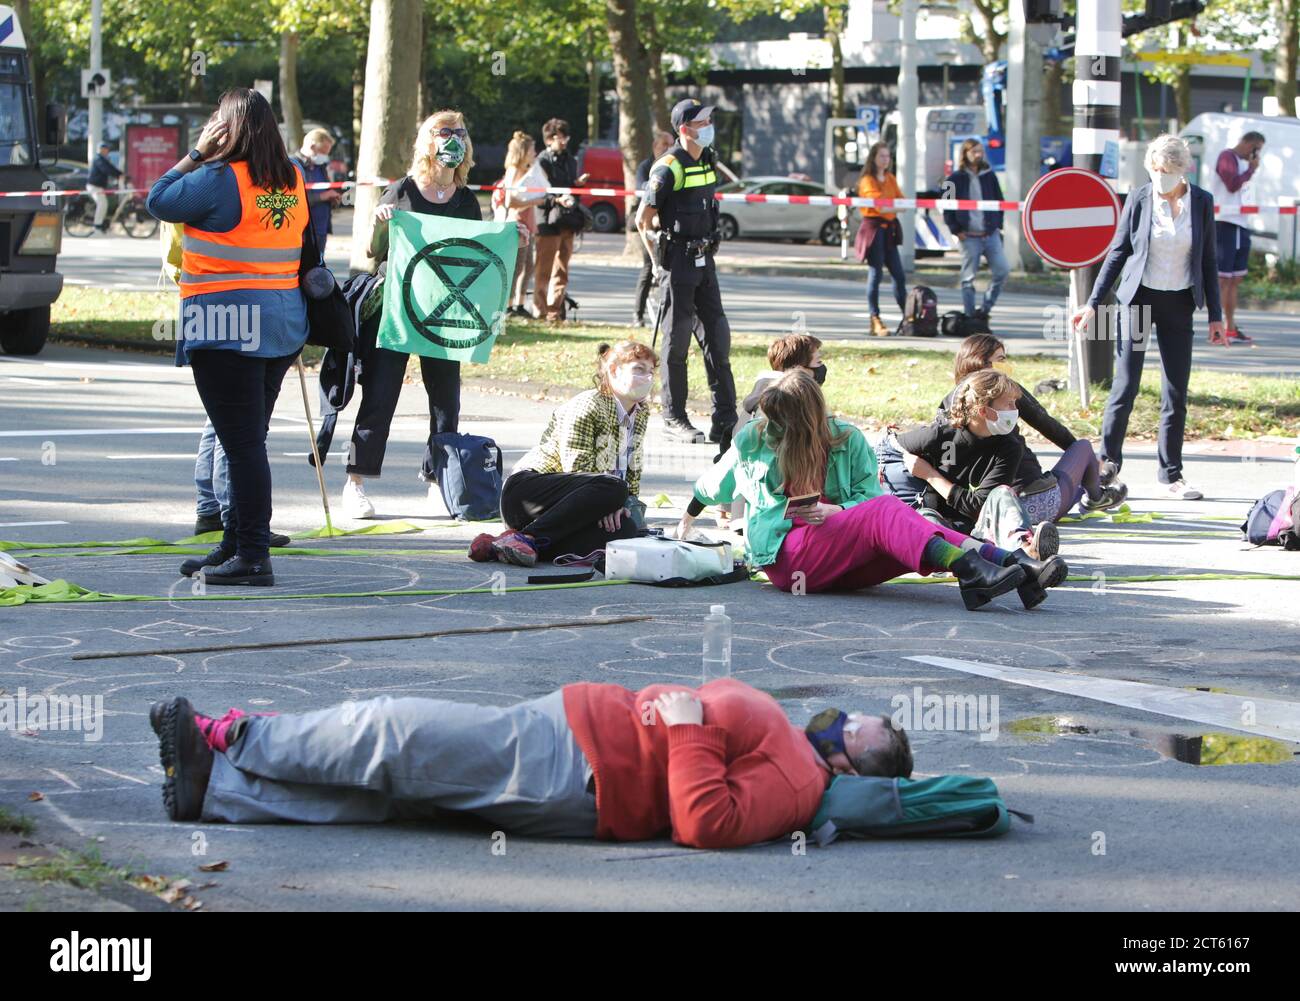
[{"x": 866, "y": 544}]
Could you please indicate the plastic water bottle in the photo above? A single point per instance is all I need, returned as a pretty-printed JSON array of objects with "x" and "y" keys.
[{"x": 717, "y": 644}]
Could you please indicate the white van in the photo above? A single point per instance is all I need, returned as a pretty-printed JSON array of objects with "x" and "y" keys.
[{"x": 1278, "y": 176}]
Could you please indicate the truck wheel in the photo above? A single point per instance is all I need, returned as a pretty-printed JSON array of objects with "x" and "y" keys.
[
  {"x": 604, "y": 218},
  {"x": 27, "y": 331}
]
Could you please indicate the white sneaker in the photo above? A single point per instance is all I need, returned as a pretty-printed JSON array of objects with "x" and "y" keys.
[
  {"x": 356, "y": 504},
  {"x": 1180, "y": 489}
]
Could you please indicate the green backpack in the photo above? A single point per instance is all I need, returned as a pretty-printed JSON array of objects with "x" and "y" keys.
[{"x": 950, "y": 806}]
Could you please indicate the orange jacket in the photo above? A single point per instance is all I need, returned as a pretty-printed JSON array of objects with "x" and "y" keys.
[
  {"x": 261, "y": 252},
  {"x": 746, "y": 775},
  {"x": 869, "y": 187}
]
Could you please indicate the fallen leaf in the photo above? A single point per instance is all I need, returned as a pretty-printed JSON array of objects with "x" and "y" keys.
[
  {"x": 36, "y": 797},
  {"x": 171, "y": 895},
  {"x": 214, "y": 866}
]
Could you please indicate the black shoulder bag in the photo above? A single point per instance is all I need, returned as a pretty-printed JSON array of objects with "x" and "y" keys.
[{"x": 330, "y": 323}]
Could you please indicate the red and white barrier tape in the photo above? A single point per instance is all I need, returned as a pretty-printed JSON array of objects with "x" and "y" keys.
[{"x": 886, "y": 204}]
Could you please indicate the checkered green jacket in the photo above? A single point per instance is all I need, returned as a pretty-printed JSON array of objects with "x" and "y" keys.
[{"x": 584, "y": 436}]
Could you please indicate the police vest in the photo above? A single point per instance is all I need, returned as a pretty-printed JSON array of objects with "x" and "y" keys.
[
  {"x": 690, "y": 213},
  {"x": 261, "y": 252}
]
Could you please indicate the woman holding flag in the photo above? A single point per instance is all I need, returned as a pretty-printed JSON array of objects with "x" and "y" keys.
[{"x": 434, "y": 185}]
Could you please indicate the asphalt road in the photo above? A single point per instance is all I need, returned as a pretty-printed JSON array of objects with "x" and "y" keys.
[
  {"x": 767, "y": 304},
  {"x": 99, "y": 446}
]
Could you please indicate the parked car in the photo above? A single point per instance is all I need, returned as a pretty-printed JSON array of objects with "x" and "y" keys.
[
  {"x": 777, "y": 220},
  {"x": 604, "y": 162},
  {"x": 68, "y": 175}
]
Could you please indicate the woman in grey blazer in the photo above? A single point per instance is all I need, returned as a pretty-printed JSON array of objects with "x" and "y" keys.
[{"x": 1164, "y": 257}]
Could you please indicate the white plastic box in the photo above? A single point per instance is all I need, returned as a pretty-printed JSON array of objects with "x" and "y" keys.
[{"x": 654, "y": 559}]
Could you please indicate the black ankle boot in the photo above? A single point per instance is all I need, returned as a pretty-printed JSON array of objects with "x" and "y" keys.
[
  {"x": 982, "y": 581},
  {"x": 217, "y": 556},
  {"x": 185, "y": 756},
  {"x": 238, "y": 571},
  {"x": 1039, "y": 576}
]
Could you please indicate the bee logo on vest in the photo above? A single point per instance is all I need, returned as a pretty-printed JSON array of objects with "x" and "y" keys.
[{"x": 277, "y": 206}]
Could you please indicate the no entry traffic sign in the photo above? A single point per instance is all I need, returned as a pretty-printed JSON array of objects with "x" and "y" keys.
[{"x": 1069, "y": 217}]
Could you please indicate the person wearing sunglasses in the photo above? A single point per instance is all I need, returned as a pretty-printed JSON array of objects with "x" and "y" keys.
[{"x": 435, "y": 185}]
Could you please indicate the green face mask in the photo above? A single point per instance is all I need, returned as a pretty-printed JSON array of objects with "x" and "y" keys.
[{"x": 449, "y": 152}]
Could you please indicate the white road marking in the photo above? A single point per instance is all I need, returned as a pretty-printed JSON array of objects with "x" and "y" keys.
[
  {"x": 1272, "y": 717},
  {"x": 30, "y": 524},
  {"x": 188, "y": 456},
  {"x": 30, "y": 382},
  {"x": 60, "y": 775},
  {"x": 119, "y": 775},
  {"x": 108, "y": 432}
]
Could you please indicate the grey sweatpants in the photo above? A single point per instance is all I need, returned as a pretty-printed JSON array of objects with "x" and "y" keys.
[
  {"x": 386, "y": 759},
  {"x": 1002, "y": 520}
]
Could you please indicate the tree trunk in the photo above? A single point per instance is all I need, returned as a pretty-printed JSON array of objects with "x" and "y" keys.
[
  {"x": 658, "y": 86},
  {"x": 634, "y": 129},
  {"x": 834, "y": 14},
  {"x": 593, "y": 88},
  {"x": 290, "y": 109},
  {"x": 1287, "y": 19},
  {"x": 1053, "y": 71},
  {"x": 390, "y": 111},
  {"x": 1183, "y": 95}
]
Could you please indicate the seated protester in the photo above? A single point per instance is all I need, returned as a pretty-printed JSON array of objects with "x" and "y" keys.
[
  {"x": 851, "y": 536},
  {"x": 577, "y": 489},
  {"x": 969, "y": 460},
  {"x": 792, "y": 351},
  {"x": 1075, "y": 479},
  {"x": 725, "y": 768}
]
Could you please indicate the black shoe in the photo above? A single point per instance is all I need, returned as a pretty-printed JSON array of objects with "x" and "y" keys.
[
  {"x": 278, "y": 541},
  {"x": 1039, "y": 576},
  {"x": 681, "y": 429},
  {"x": 1113, "y": 494},
  {"x": 982, "y": 581},
  {"x": 215, "y": 558},
  {"x": 1107, "y": 472},
  {"x": 239, "y": 572},
  {"x": 185, "y": 756},
  {"x": 638, "y": 320},
  {"x": 980, "y": 321},
  {"x": 208, "y": 523}
]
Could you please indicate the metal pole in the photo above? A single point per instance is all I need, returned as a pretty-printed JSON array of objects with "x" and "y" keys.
[
  {"x": 1096, "y": 122},
  {"x": 907, "y": 103},
  {"x": 95, "y": 129},
  {"x": 1023, "y": 126},
  {"x": 311, "y": 437}
]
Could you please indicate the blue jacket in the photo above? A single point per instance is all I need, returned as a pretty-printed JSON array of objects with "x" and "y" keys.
[
  {"x": 1127, "y": 257},
  {"x": 958, "y": 182},
  {"x": 102, "y": 171}
]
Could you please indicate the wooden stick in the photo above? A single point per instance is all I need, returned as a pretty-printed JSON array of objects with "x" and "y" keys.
[
  {"x": 311, "y": 436},
  {"x": 271, "y": 644}
]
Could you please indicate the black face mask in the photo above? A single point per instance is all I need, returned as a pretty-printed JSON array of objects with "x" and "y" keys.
[{"x": 819, "y": 373}]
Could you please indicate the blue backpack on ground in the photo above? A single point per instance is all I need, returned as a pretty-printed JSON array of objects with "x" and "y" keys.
[
  {"x": 944, "y": 806},
  {"x": 467, "y": 469}
]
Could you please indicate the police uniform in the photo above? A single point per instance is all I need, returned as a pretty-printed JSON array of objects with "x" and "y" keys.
[{"x": 681, "y": 189}]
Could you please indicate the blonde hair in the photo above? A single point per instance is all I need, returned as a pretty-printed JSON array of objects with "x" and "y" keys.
[
  {"x": 977, "y": 391},
  {"x": 422, "y": 156},
  {"x": 520, "y": 151},
  {"x": 609, "y": 358},
  {"x": 317, "y": 136},
  {"x": 797, "y": 428}
]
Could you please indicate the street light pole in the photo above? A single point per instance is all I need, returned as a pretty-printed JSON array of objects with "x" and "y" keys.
[
  {"x": 95, "y": 123},
  {"x": 907, "y": 102}
]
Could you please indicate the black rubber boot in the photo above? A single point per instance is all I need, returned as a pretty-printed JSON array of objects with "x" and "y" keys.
[
  {"x": 982, "y": 581},
  {"x": 238, "y": 571},
  {"x": 185, "y": 756},
  {"x": 1039, "y": 576},
  {"x": 217, "y": 556}
]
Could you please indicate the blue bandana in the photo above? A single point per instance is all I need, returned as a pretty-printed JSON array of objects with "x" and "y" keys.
[{"x": 825, "y": 732}]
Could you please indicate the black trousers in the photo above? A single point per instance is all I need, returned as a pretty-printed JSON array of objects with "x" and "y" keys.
[
  {"x": 1170, "y": 315},
  {"x": 694, "y": 292},
  {"x": 239, "y": 394},
  {"x": 562, "y": 511},
  {"x": 643, "y": 280},
  {"x": 381, "y": 385}
]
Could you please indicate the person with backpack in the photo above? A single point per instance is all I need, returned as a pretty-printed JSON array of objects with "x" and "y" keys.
[
  {"x": 434, "y": 185},
  {"x": 819, "y": 520},
  {"x": 969, "y": 458},
  {"x": 1076, "y": 477},
  {"x": 577, "y": 489},
  {"x": 880, "y": 234},
  {"x": 560, "y": 219},
  {"x": 718, "y": 766},
  {"x": 979, "y": 232}
]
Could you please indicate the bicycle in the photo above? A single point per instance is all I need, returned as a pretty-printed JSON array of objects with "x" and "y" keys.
[{"x": 130, "y": 212}]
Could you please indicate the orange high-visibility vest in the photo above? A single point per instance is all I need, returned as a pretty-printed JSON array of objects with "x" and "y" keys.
[{"x": 261, "y": 252}]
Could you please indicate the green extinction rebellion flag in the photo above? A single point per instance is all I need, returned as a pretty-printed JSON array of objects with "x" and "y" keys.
[{"x": 447, "y": 285}]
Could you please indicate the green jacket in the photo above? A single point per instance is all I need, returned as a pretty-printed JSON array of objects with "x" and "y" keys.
[{"x": 749, "y": 470}]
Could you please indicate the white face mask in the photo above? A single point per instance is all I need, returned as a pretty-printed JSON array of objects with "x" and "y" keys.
[
  {"x": 320, "y": 159},
  {"x": 628, "y": 382},
  {"x": 1164, "y": 183},
  {"x": 1005, "y": 423},
  {"x": 705, "y": 136}
]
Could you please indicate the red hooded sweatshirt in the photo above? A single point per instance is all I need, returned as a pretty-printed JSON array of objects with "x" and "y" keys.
[{"x": 746, "y": 775}]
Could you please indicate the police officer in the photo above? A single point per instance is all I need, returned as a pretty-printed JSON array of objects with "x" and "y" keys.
[{"x": 679, "y": 203}]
